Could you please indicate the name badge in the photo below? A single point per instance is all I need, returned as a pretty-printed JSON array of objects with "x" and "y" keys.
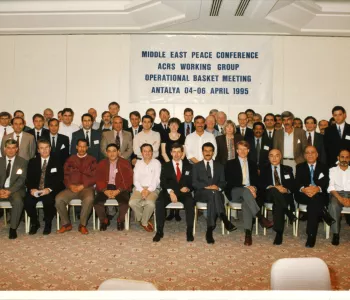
[
  {"x": 299, "y": 141},
  {"x": 266, "y": 148},
  {"x": 187, "y": 173},
  {"x": 53, "y": 170},
  {"x": 347, "y": 137},
  {"x": 115, "y": 171},
  {"x": 19, "y": 172},
  {"x": 96, "y": 142},
  {"x": 286, "y": 176},
  {"x": 63, "y": 146},
  {"x": 320, "y": 176}
]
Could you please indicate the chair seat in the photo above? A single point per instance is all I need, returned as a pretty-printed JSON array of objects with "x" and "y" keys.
[
  {"x": 303, "y": 207},
  {"x": 5, "y": 204},
  {"x": 235, "y": 205},
  {"x": 75, "y": 202},
  {"x": 177, "y": 205},
  {"x": 111, "y": 202},
  {"x": 268, "y": 206},
  {"x": 346, "y": 210},
  {"x": 201, "y": 205},
  {"x": 40, "y": 204}
]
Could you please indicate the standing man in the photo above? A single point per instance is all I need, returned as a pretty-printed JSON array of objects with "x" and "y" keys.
[
  {"x": 48, "y": 115},
  {"x": 176, "y": 184},
  {"x": 135, "y": 119},
  {"x": 297, "y": 123},
  {"x": 20, "y": 114},
  {"x": 221, "y": 121},
  {"x": 187, "y": 126},
  {"x": 106, "y": 123},
  {"x": 59, "y": 142},
  {"x": 278, "y": 120},
  {"x": 13, "y": 171},
  {"x": 314, "y": 138},
  {"x": 291, "y": 141},
  {"x": 152, "y": 113},
  {"x": 39, "y": 132},
  {"x": 243, "y": 130},
  {"x": 67, "y": 127},
  {"x": 259, "y": 150},
  {"x": 5, "y": 127},
  {"x": 92, "y": 136},
  {"x": 79, "y": 179},
  {"x": 25, "y": 141},
  {"x": 210, "y": 126},
  {"x": 322, "y": 125},
  {"x": 195, "y": 140},
  {"x": 114, "y": 109},
  {"x": 113, "y": 181},
  {"x": 163, "y": 127},
  {"x": 270, "y": 122},
  {"x": 93, "y": 113},
  {"x": 44, "y": 182}
]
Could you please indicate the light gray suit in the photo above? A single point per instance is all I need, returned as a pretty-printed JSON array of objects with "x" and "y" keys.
[
  {"x": 17, "y": 187},
  {"x": 27, "y": 147},
  {"x": 126, "y": 146}
]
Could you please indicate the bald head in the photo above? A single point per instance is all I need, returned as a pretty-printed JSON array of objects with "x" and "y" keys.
[
  {"x": 275, "y": 157},
  {"x": 221, "y": 118}
]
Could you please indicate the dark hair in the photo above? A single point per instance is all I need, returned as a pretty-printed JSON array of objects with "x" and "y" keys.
[
  {"x": 5, "y": 114},
  {"x": 188, "y": 110},
  {"x": 174, "y": 120},
  {"x": 335, "y": 108},
  {"x": 13, "y": 119},
  {"x": 321, "y": 121},
  {"x": 146, "y": 145},
  {"x": 112, "y": 145},
  {"x": 341, "y": 150},
  {"x": 250, "y": 110},
  {"x": 244, "y": 144},
  {"x": 269, "y": 114},
  {"x": 151, "y": 109},
  {"x": 242, "y": 113},
  {"x": 199, "y": 117},
  {"x": 331, "y": 120},
  {"x": 310, "y": 118},
  {"x": 18, "y": 111},
  {"x": 67, "y": 109},
  {"x": 38, "y": 116},
  {"x": 308, "y": 146},
  {"x": 113, "y": 103},
  {"x": 135, "y": 113},
  {"x": 82, "y": 140},
  {"x": 278, "y": 116},
  {"x": 259, "y": 124},
  {"x": 52, "y": 120},
  {"x": 11, "y": 142},
  {"x": 208, "y": 144},
  {"x": 43, "y": 141},
  {"x": 147, "y": 117},
  {"x": 298, "y": 119},
  {"x": 176, "y": 146},
  {"x": 86, "y": 115},
  {"x": 118, "y": 117},
  {"x": 106, "y": 112},
  {"x": 287, "y": 114},
  {"x": 164, "y": 110},
  {"x": 59, "y": 112}
]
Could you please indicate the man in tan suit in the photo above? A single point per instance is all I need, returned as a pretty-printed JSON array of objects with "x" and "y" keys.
[
  {"x": 25, "y": 141},
  {"x": 290, "y": 141},
  {"x": 117, "y": 136}
]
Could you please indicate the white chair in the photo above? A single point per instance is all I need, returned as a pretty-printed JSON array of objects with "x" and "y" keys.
[
  {"x": 5, "y": 205},
  {"x": 238, "y": 206},
  {"x": 303, "y": 208},
  {"x": 171, "y": 205},
  {"x": 111, "y": 202},
  {"x": 268, "y": 207},
  {"x": 345, "y": 210},
  {"x": 306, "y": 273},
  {"x": 27, "y": 218},
  {"x": 203, "y": 206},
  {"x": 115, "y": 284}
]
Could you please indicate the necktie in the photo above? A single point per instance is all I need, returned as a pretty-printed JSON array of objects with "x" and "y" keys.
[
  {"x": 135, "y": 131},
  {"x": 187, "y": 130},
  {"x": 258, "y": 150},
  {"x": 222, "y": 130},
  {"x": 37, "y": 136},
  {"x": 53, "y": 144},
  {"x": 164, "y": 127},
  {"x": 277, "y": 178},
  {"x": 18, "y": 141},
  {"x": 244, "y": 172},
  {"x": 178, "y": 172},
  {"x": 42, "y": 177},
  {"x": 242, "y": 132},
  {"x": 8, "y": 169},
  {"x": 312, "y": 174},
  {"x": 309, "y": 141},
  {"x": 339, "y": 130},
  {"x": 5, "y": 131},
  {"x": 117, "y": 140},
  {"x": 270, "y": 135},
  {"x": 209, "y": 172}
]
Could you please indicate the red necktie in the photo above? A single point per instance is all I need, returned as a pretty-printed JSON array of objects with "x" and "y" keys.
[{"x": 178, "y": 172}]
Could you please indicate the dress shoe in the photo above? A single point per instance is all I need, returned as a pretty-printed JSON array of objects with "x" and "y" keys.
[
  {"x": 171, "y": 215},
  {"x": 189, "y": 234},
  {"x": 159, "y": 235},
  {"x": 328, "y": 218},
  {"x": 104, "y": 224},
  {"x": 230, "y": 227},
  {"x": 12, "y": 234},
  {"x": 34, "y": 228},
  {"x": 265, "y": 223},
  {"x": 120, "y": 226},
  {"x": 248, "y": 240},
  {"x": 83, "y": 229},
  {"x": 64, "y": 228},
  {"x": 47, "y": 228},
  {"x": 278, "y": 239},
  {"x": 177, "y": 216},
  {"x": 209, "y": 236},
  {"x": 311, "y": 241},
  {"x": 150, "y": 226},
  {"x": 147, "y": 228},
  {"x": 335, "y": 240}
]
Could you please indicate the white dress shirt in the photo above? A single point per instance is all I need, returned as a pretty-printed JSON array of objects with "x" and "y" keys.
[
  {"x": 341, "y": 127},
  {"x": 151, "y": 137},
  {"x": 20, "y": 137},
  {"x": 247, "y": 182},
  {"x": 288, "y": 145},
  {"x": 278, "y": 172},
  {"x": 147, "y": 175},
  {"x": 312, "y": 136},
  {"x": 194, "y": 142},
  {"x": 211, "y": 164},
  {"x": 268, "y": 132},
  {"x": 174, "y": 165},
  {"x": 42, "y": 161},
  {"x": 339, "y": 180},
  {"x": 7, "y": 182},
  {"x": 9, "y": 130},
  {"x": 68, "y": 130},
  {"x": 89, "y": 134}
]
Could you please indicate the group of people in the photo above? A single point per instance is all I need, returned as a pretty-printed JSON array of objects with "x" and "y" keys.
[{"x": 147, "y": 166}]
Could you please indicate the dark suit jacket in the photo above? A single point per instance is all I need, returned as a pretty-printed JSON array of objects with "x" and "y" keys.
[
  {"x": 319, "y": 144},
  {"x": 159, "y": 128},
  {"x": 45, "y": 134},
  {"x": 18, "y": 174},
  {"x": 168, "y": 177},
  {"x": 182, "y": 128},
  {"x": 53, "y": 175},
  {"x": 62, "y": 148},
  {"x": 266, "y": 145},
  {"x": 222, "y": 152},
  {"x": 248, "y": 134},
  {"x": 303, "y": 178},
  {"x": 95, "y": 140},
  {"x": 200, "y": 179},
  {"x": 234, "y": 176},
  {"x": 130, "y": 129},
  {"x": 333, "y": 143}
]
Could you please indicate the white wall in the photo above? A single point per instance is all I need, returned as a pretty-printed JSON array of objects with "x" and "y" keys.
[{"x": 311, "y": 75}]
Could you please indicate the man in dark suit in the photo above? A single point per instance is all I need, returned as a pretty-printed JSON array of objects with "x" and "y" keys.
[
  {"x": 314, "y": 138},
  {"x": 187, "y": 127},
  {"x": 277, "y": 185},
  {"x": 93, "y": 137},
  {"x": 39, "y": 132},
  {"x": 312, "y": 179},
  {"x": 152, "y": 113},
  {"x": 221, "y": 119},
  {"x": 242, "y": 129},
  {"x": 135, "y": 119},
  {"x": 59, "y": 142},
  {"x": 13, "y": 171},
  {"x": 163, "y": 127},
  {"x": 269, "y": 121},
  {"x": 44, "y": 182},
  {"x": 114, "y": 109},
  {"x": 242, "y": 180},
  {"x": 176, "y": 184},
  {"x": 208, "y": 180}
]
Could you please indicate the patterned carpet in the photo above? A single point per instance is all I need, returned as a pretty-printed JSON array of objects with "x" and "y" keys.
[{"x": 71, "y": 261}]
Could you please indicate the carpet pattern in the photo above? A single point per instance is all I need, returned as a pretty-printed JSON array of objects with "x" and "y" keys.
[{"x": 71, "y": 261}]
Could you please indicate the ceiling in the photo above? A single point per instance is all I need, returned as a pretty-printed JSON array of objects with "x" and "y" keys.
[{"x": 281, "y": 17}]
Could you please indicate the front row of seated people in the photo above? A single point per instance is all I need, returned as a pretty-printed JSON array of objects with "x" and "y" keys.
[{"x": 155, "y": 186}]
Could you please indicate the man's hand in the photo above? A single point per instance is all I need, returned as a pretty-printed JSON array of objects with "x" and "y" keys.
[
  {"x": 212, "y": 187},
  {"x": 184, "y": 190},
  {"x": 2, "y": 194},
  {"x": 173, "y": 197},
  {"x": 310, "y": 191},
  {"x": 145, "y": 193},
  {"x": 252, "y": 190},
  {"x": 5, "y": 194},
  {"x": 281, "y": 189},
  {"x": 45, "y": 192},
  {"x": 133, "y": 161},
  {"x": 33, "y": 191},
  {"x": 115, "y": 193}
]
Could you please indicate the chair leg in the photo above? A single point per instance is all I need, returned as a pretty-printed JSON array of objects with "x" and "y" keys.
[
  {"x": 155, "y": 220},
  {"x": 5, "y": 217},
  {"x": 256, "y": 226},
  {"x": 127, "y": 220},
  {"x": 94, "y": 218},
  {"x": 195, "y": 220},
  {"x": 26, "y": 222},
  {"x": 327, "y": 231},
  {"x": 265, "y": 215},
  {"x": 73, "y": 211},
  {"x": 58, "y": 220},
  {"x": 229, "y": 215},
  {"x": 297, "y": 222}
]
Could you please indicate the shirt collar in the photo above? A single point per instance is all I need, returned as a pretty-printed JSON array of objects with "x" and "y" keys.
[
  {"x": 81, "y": 156},
  {"x": 12, "y": 159}
]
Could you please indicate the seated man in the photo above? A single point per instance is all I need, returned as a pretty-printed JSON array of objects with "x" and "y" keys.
[
  {"x": 277, "y": 183},
  {"x": 13, "y": 171},
  {"x": 242, "y": 177},
  {"x": 312, "y": 179},
  {"x": 339, "y": 188},
  {"x": 113, "y": 181},
  {"x": 208, "y": 179},
  {"x": 176, "y": 184},
  {"x": 44, "y": 182},
  {"x": 146, "y": 182},
  {"x": 79, "y": 179}
]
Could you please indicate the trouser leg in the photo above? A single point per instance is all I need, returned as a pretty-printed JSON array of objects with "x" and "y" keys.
[
  {"x": 99, "y": 205},
  {"x": 87, "y": 199}
]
